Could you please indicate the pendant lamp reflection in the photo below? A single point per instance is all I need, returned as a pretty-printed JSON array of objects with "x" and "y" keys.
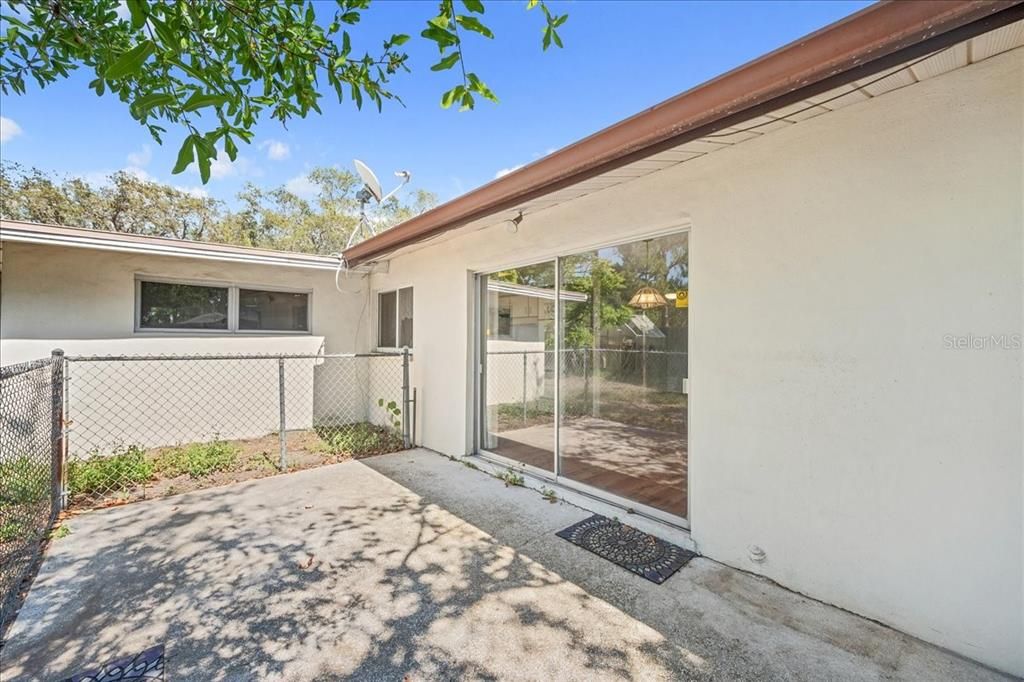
[{"x": 648, "y": 297}]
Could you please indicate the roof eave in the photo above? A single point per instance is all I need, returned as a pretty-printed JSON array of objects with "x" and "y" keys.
[{"x": 871, "y": 40}]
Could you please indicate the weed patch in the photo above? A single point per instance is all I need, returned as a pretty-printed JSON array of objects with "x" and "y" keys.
[
  {"x": 359, "y": 440},
  {"x": 198, "y": 460},
  {"x": 511, "y": 478},
  {"x": 121, "y": 470}
]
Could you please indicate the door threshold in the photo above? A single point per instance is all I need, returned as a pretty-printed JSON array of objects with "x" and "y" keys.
[{"x": 675, "y": 532}]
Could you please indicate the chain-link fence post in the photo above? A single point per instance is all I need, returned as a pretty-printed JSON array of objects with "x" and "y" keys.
[
  {"x": 57, "y": 430},
  {"x": 406, "y": 422},
  {"x": 524, "y": 387},
  {"x": 281, "y": 431}
]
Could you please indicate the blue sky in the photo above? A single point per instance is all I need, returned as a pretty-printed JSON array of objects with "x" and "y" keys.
[{"x": 619, "y": 58}]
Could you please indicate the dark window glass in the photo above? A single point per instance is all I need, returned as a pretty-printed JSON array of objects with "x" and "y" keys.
[
  {"x": 273, "y": 310},
  {"x": 386, "y": 306},
  {"x": 182, "y": 306},
  {"x": 405, "y": 317}
]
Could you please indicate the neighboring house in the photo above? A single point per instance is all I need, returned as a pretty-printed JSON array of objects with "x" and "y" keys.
[{"x": 827, "y": 245}]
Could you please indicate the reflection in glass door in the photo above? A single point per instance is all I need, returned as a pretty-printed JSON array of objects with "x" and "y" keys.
[
  {"x": 622, "y": 426},
  {"x": 518, "y": 362}
]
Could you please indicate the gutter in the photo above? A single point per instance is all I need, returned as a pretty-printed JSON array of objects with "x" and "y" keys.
[{"x": 881, "y": 36}]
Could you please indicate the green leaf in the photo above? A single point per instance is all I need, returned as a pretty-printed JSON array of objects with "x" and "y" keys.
[
  {"x": 185, "y": 155},
  {"x": 531, "y": 4},
  {"x": 399, "y": 39},
  {"x": 139, "y": 11},
  {"x": 473, "y": 24},
  {"x": 447, "y": 62},
  {"x": 380, "y": 402},
  {"x": 149, "y": 102},
  {"x": 474, "y": 6},
  {"x": 449, "y": 98},
  {"x": 230, "y": 148},
  {"x": 199, "y": 100},
  {"x": 131, "y": 61}
]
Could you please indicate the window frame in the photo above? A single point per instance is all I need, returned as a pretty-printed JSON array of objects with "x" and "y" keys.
[
  {"x": 398, "y": 317},
  {"x": 233, "y": 289}
]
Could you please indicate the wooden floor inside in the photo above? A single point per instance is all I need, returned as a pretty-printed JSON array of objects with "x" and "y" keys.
[{"x": 639, "y": 464}]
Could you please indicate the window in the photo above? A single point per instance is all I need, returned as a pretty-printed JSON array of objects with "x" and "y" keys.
[
  {"x": 394, "y": 318},
  {"x": 169, "y": 306},
  {"x": 273, "y": 310},
  {"x": 163, "y": 305}
]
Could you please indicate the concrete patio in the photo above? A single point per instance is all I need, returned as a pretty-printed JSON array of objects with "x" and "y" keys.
[{"x": 412, "y": 566}]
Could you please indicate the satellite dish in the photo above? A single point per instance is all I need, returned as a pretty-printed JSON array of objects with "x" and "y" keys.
[
  {"x": 371, "y": 190},
  {"x": 369, "y": 179}
]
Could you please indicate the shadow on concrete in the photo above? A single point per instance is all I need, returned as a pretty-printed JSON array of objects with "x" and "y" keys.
[{"x": 409, "y": 566}]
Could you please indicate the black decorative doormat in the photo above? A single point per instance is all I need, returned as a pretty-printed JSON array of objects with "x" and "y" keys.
[
  {"x": 628, "y": 547},
  {"x": 147, "y": 666}
]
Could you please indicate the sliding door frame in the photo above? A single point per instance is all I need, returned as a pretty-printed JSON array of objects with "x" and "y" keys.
[{"x": 480, "y": 383}]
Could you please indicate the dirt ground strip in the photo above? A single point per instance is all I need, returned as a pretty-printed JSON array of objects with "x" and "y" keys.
[{"x": 256, "y": 458}]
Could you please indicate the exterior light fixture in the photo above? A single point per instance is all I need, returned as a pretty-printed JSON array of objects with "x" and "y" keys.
[{"x": 512, "y": 224}]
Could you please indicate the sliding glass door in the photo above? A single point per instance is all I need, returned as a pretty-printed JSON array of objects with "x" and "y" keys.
[
  {"x": 609, "y": 416},
  {"x": 518, "y": 360}
]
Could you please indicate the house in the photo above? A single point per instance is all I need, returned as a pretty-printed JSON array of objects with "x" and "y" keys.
[{"x": 783, "y": 310}]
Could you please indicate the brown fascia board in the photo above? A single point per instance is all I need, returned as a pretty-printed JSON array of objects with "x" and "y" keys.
[{"x": 878, "y": 37}]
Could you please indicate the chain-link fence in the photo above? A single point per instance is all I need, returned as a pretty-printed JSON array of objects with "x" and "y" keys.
[
  {"x": 151, "y": 426},
  {"x": 594, "y": 381},
  {"x": 30, "y": 468}
]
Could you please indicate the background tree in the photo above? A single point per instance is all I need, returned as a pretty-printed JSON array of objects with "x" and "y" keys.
[
  {"x": 214, "y": 67},
  {"x": 275, "y": 218}
]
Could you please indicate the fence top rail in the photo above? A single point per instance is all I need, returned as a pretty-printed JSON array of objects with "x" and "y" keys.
[
  {"x": 588, "y": 350},
  {"x": 11, "y": 371},
  {"x": 264, "y": 356}
]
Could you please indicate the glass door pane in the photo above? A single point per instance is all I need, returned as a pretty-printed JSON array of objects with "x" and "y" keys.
[
  {"x": 622, "y": 416},
  {"x": 518, "y": 326}
]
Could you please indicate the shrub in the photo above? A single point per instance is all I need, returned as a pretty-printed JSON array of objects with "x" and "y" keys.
[
  {"x": 198, "y": 460},
  {"x": 359, "y": 440},
  {"x": 123, "y": 469},
  {"x": 24, "y": 480}
]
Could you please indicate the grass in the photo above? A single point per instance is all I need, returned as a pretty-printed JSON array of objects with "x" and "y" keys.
[
  {"x": 359, "y": 440},
  {"x": 197, "y": 460},
  {"x": 24, "y": 480},
  {"x": 123, "y": 469}
]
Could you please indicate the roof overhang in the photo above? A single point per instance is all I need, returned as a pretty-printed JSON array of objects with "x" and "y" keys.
[
  {"x": 55, "y": 235},
  {"x": 877, "y": 38},
  {"x": 500, "y": 287}
]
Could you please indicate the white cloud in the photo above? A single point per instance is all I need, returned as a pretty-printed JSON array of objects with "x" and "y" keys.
[
  {"x": 141, "y": 158},
  {"x": 223, "y": 167},
  {"x": 301, "y": 186},
  {"x": 194, "y": 191},
  {"x": 276, "y": 150},
  {"x": 139, "y": 173},
  {"x": 8, "y": 129},
  {"x": 505, "y": 171}
]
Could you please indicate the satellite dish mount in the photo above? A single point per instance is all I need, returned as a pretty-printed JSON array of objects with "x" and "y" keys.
[{"x": 371, "y": 190}]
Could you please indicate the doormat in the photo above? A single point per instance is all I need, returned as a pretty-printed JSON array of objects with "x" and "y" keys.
[
  {"x": 628, "y": 547},
  {"x": 147, "y": 666}
]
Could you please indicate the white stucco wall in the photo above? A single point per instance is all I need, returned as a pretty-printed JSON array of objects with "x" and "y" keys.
[{"x": 830, "y": 424}]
